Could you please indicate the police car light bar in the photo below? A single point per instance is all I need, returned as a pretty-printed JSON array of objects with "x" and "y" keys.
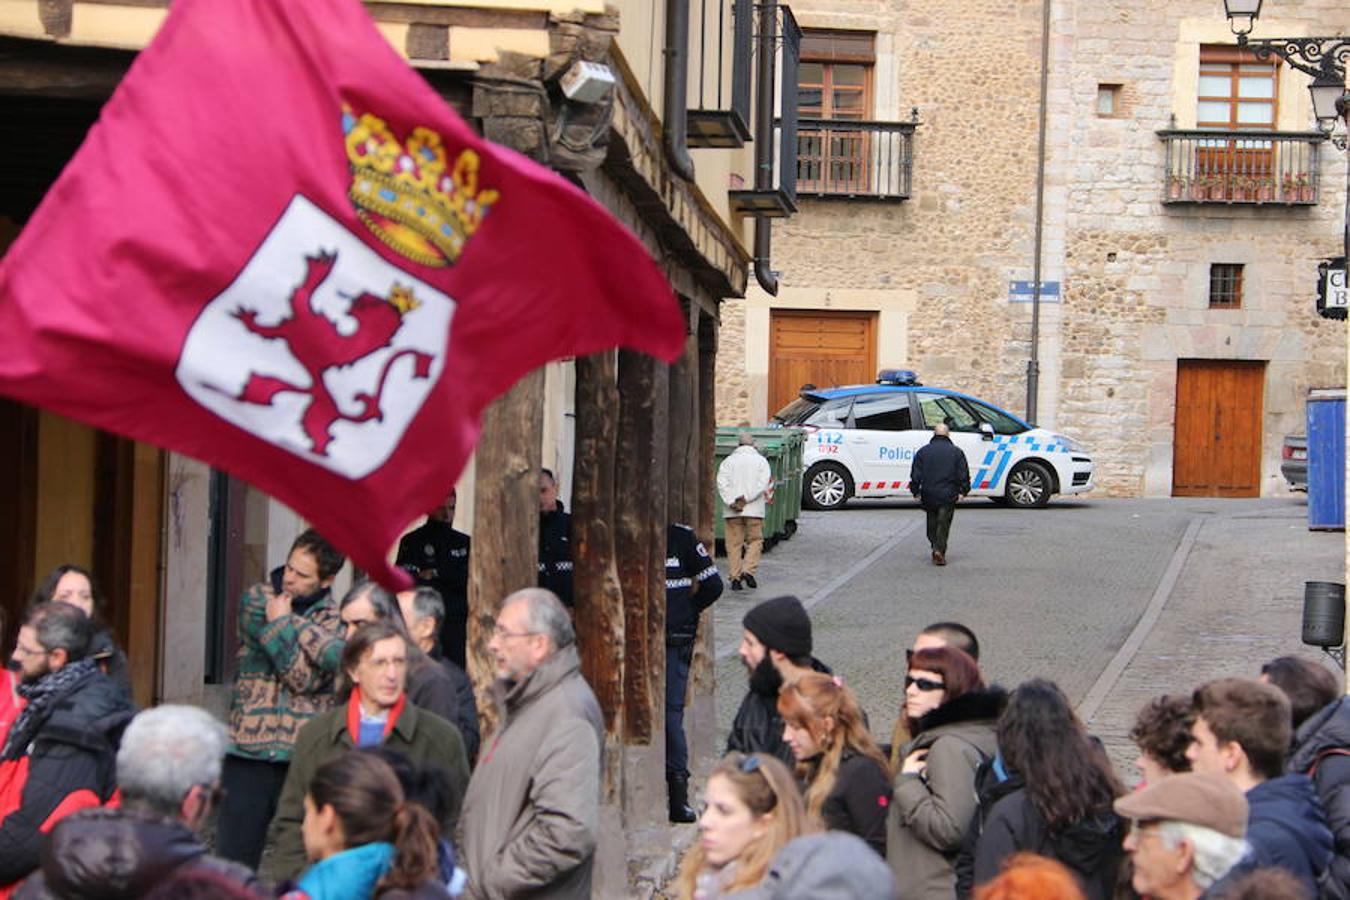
[{"x": 903, "y": 377}]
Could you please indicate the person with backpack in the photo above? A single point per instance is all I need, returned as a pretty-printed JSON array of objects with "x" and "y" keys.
[
  {"x": 60, "y": 753},
  {"x": 1320, "y": 714},
  {"x": 1054, "y": 797},
  {"x": 951, "y": 715}
]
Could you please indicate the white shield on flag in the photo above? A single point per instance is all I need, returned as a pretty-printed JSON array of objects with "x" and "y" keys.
[{"x": 319, "y": 346}]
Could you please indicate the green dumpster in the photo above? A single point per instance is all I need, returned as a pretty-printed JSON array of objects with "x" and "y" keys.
[{"x": 783, "y": 448}]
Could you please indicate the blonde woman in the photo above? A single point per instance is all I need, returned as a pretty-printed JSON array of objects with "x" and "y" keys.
[
  {"x": 751, "y": 809},
  {"x": 847, "y": 782}
]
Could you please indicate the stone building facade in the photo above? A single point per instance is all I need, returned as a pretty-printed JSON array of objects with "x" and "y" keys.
[{"x": 1133, "y": 311}]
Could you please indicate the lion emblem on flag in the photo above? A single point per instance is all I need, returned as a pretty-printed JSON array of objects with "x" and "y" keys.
[{"x": 319, "y": 346}]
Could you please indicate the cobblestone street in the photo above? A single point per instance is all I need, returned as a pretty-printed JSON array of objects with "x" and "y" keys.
[{"x": 1055, "y": 592}]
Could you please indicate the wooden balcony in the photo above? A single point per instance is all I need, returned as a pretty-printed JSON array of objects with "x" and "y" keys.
[{"x": 1208, "y": 165}]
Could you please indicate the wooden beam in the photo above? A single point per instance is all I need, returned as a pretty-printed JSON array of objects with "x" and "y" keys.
[
  {"x": 599, "y": 601},
  {"x": 505, "y": 555}
]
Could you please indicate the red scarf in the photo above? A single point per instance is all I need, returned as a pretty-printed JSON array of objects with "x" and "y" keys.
[{"x": 354, "y": 715}]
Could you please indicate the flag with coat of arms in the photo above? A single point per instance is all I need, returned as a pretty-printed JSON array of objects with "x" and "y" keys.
[{"x": 279, "y": 251}]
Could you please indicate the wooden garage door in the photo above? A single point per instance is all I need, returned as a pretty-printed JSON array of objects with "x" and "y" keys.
[
  {"x": 820, "y": 348},
  {"x": 1217, "y": 448}
]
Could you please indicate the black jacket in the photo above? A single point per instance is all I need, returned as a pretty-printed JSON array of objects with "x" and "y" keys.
[
  {"x": 1008, "y": 822},
  {"x": 859, "y": 800},
  {"x": 75, "y": 749},
  {"x": 111, "y": 659},
  {"x": 437, "y": 556},
  {"x": 440, "y": 686},
  {"x": 692, "y": 583},
  {"x": 116, "y": 854},
  {"x": 1091, "y": 847},
  {"x": 939, "y": 473},
  {"x": 757, "y": 727},
  {"x": 1322, "y": 752},
  {"x": 555, "y": 553}
]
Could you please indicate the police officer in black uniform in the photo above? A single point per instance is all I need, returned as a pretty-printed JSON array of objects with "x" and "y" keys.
[
  {"x": 555, "y": 540},
  {"x": 692, "y": 584},
  {"x": 437, "y": 556}
]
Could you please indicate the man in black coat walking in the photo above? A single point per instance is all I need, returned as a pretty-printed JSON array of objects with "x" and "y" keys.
[{"x": 939, "y": 477}]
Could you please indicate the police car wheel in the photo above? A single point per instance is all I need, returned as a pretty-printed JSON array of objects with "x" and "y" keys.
[
  {"x": 1029, "y": 485},
  {"x": 828, "y": 485}
]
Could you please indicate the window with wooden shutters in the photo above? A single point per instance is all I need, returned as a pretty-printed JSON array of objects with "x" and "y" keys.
[
  {"x": 834, "y": 82},
  {"x": 1236, "y": 93}
]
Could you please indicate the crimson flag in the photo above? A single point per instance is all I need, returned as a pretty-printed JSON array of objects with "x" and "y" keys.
[{"x": 280, "y": 252}]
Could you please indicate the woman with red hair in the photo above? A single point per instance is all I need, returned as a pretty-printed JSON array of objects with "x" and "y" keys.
[
  {"x": 951, "y": 717},
  {"x": 844, "y": 772},
  {"x": 1027, "y": 876}
]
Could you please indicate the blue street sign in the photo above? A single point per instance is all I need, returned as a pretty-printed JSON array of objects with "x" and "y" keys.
[{"x": 1022, "y": 291}]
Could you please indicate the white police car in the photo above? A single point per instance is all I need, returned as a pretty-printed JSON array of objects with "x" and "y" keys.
[{"x": 861, "y": 440}]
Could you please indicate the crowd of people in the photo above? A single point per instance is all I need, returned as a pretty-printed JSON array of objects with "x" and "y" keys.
[
  {"x": 984, "y": 793},
  {"x": 352, "y": 766}
]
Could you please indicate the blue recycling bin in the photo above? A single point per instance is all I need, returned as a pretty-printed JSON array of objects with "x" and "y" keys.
[{"x": 1326, "y": 459}]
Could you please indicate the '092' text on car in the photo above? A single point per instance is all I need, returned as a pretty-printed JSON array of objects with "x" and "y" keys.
[{"x": 862, "y": 439}]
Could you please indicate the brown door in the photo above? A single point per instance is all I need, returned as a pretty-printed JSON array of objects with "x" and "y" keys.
[
  {"x": 820, "y": 348},
  {"x": 1217, "y": 450}
]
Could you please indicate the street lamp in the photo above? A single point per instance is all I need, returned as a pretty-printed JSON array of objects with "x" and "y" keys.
[{"x": 1241, "y": 15}]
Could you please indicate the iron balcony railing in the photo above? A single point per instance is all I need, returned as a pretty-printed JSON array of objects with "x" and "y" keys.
[
  {"x": 855, "y": 159},
  {"x": 1212, "y": 165},
  {"x": 720, "y": 73}
]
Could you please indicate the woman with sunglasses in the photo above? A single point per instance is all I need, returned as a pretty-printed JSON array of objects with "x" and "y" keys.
[
  {"x": 751, "y": 809},
  {"x": 843, "y": 772},
  {"x": 950, "y": 715}
]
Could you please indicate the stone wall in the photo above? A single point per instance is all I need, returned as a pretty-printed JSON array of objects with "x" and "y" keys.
[{"x": 1134, "y": 271}]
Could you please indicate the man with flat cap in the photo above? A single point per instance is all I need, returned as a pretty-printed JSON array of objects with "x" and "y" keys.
[
  {"x": 776, "y": 650},
  {"x": 1186, "y": 833}
]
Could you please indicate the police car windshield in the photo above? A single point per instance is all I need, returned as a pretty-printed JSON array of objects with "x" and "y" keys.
[{"x": 797, "y": 411}]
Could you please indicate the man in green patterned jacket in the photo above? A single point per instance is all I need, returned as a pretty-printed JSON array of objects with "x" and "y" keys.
[{"x": 290, "y": 646}]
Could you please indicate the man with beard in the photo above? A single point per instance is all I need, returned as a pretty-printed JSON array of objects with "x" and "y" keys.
[
  {"x": 290, "y": 648},
  {"x": 60, "y": 754},
  {"x": 438, "y": 557},
  {"x": 776, "y": 649}
]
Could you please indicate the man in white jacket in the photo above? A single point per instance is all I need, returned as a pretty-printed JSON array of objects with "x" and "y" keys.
[{"x": 743, "y": 480}]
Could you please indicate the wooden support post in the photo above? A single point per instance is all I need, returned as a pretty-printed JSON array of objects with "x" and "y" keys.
[
  {"x": 639, "y": 529},
  {"x": 681, "y": 505},
  {"x": 599, "y": 600},
  {"x": 701, "y": 718},
  {"x": 505, "y": 555}
]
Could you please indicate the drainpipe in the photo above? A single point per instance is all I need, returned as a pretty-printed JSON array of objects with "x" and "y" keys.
[
  {"x": 1034, "y": 363},
  {"x": 676, "y": 124},
  {"x": 767, "y": 39}
]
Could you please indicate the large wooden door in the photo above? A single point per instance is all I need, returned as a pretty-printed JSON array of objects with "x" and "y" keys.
[
  {"x": 820, "y": 348},
  {"x": 1217, "y": 447}
]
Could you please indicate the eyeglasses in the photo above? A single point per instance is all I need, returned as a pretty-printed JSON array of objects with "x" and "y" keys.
[
  {"x": 924, "y": 684},
  {"x": 21, "y": 650},
  {"x": 500, "y": 632},
  {"x": 749, "y": 764}
]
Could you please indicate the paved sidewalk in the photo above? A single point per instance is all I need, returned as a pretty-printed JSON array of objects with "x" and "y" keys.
[{"x": 1237, "y": 603}]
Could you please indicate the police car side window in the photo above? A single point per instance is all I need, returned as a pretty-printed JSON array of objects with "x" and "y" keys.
[
  {"x": 1002, "y": 422},
  {"x": 945, "y": 408},
  {"x": 832, "y": 414},
  {"x": 887, "y": 412}
]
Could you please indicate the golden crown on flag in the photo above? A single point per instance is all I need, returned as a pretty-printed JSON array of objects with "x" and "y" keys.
[{"x": 408, "y": 195}]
